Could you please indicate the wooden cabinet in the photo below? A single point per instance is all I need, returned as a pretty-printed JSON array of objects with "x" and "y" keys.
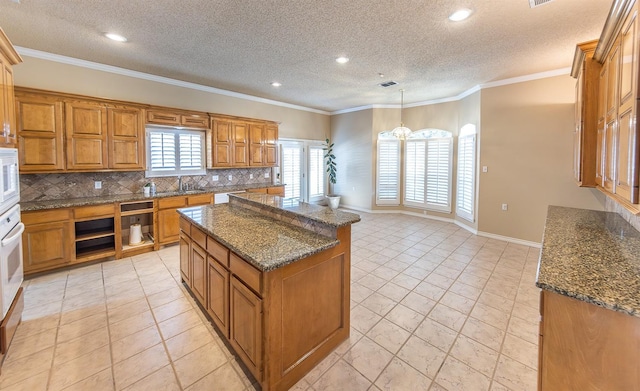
[
  {"x": 586, "y": 347},
  {"x": 218, "y": 293},
  {"x": 40, "y": 132},
  {"x": 8, "y": 58},
  {"x": 185, "y": 257},
  {"x": 47, "y": 241},
  {"x": 275, "y": 190},
  {"x": 168, "y": 217},
  {"x": 241, "y": 142},
  {"x": 171, "y": 117},
  {"x": 86, "y": 136},
  {"x": 245, "y": 334},
  {"x": 95, "y": 229},
  {"x": 61, "y": 132},
  {"x": 126, "y": 138},
  {"x": 199, "y": 269},
  {"x": 617, "y": 160},
  {"x": 587, "y": 72}
]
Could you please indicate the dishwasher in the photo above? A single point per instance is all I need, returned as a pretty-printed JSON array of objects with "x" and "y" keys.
[{"x": 223, "y": 198}]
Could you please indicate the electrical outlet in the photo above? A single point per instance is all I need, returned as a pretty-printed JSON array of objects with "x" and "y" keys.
[
  {"x": 97, "y": 185},
  {"x": 505, "y": 206},
  {"x": 230, "y": 177},
  {"x": 250, "y": 176},
  {"x": 266, "y": 175},
  {"x": 132, "y": 220},
  {"x": 485, "y": 169},
  {"x": 215, "y": 178}
]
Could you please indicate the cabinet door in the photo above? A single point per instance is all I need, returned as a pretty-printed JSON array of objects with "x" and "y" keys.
[
  {"x": 221, "y": 140},
  {"x": 185, "y": 258},
  {"x": 200, "y": 199},
  {"x": 46, "y": 246},
  {"x": 601, "y": 135},
  {"x": 611, "y": 126},
  {"x": 126, "y": 138},
  {"x": 198, "y": 273},
  {"x": 195, "y": 121},
  {"x": 7, "y": 106},
  {"x": 256, "y": 143},
  {"x": 40, "y": 133},
  {"x": 270, "y": 145},
  {"x": 245, "y": 334},
  {"x": 218, "y": 295},
  {"x": 168, "y": 226},
  {"x": 163, "y": 118},
  {"x": 240, "y": 144},
  {"x": 86, "y": 134},
  {"x": 279, "y": 191}
]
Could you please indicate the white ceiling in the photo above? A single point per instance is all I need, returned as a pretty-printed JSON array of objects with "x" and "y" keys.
[{"x": 244, "y": 45}]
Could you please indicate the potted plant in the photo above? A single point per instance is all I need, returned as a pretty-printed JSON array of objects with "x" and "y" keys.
[{"x": 334, "y": 199}]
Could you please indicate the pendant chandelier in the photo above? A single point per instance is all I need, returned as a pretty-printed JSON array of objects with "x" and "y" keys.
[{"x": 401, "y": 132}]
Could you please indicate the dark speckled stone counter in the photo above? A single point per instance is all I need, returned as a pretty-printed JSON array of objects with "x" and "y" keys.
[
  {"x": 263, "y": 241},
  {"x": 591, "y": 256},
  {"x": 73, "y": 202}
]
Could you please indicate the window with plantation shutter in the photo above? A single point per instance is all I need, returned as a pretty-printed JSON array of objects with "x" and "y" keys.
[
  {"x": 465, "y": 194},
  {"x": 388, "y": 171},
  {"x": 291, "y": 169},
  {"x": 316, "y": 173},
  {"x": 172, "y": 152},
  {"x": 427, "y": 177}
]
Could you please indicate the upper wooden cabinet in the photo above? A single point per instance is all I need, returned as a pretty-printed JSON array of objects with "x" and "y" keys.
[
  {"x": 616, "y": 159},
  {"x": 241, "y": 142},
  {"x": 587, "y": 71},
  {"x": 170, "y": 117},
  {"x": 8, "y": 58},
  {"x": 60, "y": 132}
]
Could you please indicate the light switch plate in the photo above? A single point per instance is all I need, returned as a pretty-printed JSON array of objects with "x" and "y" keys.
[
  {"x": 266, "y": 175},
  {"x": 250, "y": 176},
  {"x": 215, "y": 178},
  {"x": 485, "y": 168},
  {"x": 230, "y": 177},
  {"x": 97, "y": 185}
]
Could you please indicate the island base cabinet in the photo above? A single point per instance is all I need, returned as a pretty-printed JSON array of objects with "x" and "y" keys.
[
  {"x": 198, "y": 273},
  {"x": 218, "y": 300},
  {"x": 584, "y": 347},
  {"x": 185, "y": 259},
  {"x": 245, "y": 333}
]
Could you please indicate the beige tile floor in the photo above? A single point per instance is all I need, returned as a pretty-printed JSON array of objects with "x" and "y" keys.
[{"x": 433, "y": 308}]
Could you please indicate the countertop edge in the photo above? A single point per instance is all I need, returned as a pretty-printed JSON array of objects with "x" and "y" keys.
[{"x": 587, "y": 299}]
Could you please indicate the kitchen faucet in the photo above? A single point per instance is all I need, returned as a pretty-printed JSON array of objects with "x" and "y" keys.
[{"x": 180, "y": 183}]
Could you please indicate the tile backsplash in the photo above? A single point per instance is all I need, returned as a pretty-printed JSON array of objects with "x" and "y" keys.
[
  {"x": 612, "y": 206},
  {"x": 42, "y": 187}
]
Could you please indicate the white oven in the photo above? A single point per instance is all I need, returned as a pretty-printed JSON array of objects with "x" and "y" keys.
[
  {"x": 9, "y": 179},
  {"x": 11, "y": 272}
]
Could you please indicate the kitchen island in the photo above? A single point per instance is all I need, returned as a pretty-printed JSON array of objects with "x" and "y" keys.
[
  {"x": 589, "y": 272},
  {"x": 273, "y": 274}
]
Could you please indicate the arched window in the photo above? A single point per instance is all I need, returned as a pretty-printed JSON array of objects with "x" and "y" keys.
[
  {"x": 388, "y": 170},
  {"x": 427, "y": 177},
  {"x": 466, "y": 186}
]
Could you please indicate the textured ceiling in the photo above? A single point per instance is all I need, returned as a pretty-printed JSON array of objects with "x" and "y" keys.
[{"x": 244, "y": 45}]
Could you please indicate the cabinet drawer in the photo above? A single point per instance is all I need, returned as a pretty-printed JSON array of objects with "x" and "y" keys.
[
  {"x": 260, "y": 190},
  {"x": 218, "y": 251},
  {"x": 163, "y": 117},
  {"x": 185, "y": 226},
  {"x": 276, "y": 190},
  {"x": 94, "y": 211},
  {"x": 11, "y": 321},
  {"x": 45, "y": 216},
  {"x": 251, "y": 276},
  {"x": 199, "y": 237},
  {"x": 172, "y": 202},
  {"x": 195, "y": 121},
  {"x": 200, "y": 199}
]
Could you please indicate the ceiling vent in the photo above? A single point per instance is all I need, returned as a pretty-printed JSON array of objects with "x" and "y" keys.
[
  {"x": 388, "y": 83},
  {"x": 538, "y": 3}
]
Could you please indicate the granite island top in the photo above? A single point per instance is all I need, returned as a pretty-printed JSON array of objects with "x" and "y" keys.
[
  {"x": 264, "y": 242},
  {"x": 296, "y": 208},
  {"x": 108, "y": 199},
  {"x": 592, "y": 256}
]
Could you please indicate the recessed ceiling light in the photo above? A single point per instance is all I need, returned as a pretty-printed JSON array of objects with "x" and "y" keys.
[
  {"x": 275, "y": 84},
  {"x": 460, "y": 14},
  {"x": 342, "y": 60},
  {"x": 115, "y": 37}
]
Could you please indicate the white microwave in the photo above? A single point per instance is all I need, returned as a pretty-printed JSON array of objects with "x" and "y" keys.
[{"x": 9, "y": 179}]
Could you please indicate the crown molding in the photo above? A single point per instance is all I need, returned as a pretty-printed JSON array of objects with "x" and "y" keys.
[{"x": 159, "y": 79}]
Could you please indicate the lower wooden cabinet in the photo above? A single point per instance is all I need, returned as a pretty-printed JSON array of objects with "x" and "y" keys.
[
  {"x": 586, "y": 347},
  {"x": 198, "y": 272},
  {"x": 168, "y": 217},
  {"x": 218, "y": 295},
  {"x": 47, "y": 241},
  {"x": 245, "y": 334},
  {"x": 185, "y": 258}
]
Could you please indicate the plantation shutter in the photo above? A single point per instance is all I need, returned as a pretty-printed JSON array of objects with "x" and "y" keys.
[
  {"x": 414, "y": 187},
  {"x": 291, "y": 170},
  {"x": 438, "y": 173},
  {"x": 162, "y": 151},
  {"x": 388, "y": 173},
  {"x": 190, "y": 151},
  {"x": 465, "y": 200},
  {"x": 316, "y": 172},
  {"x": 174, "y": 152}
]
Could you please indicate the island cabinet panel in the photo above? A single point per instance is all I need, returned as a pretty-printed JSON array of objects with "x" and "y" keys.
[
  {"x": 586, "y": 347},
  {"x": 245, "y": 334},
  {"x": 198, "y": 273},
  {"x": 218, "y": 295},
  {"x": 185, "y": 258}
]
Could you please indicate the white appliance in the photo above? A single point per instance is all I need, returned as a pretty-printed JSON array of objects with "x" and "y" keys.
[
  {"x": 11, "y": 272},
  {"x": 223, "y": 198},
  {"x": 9, "y": 179}
]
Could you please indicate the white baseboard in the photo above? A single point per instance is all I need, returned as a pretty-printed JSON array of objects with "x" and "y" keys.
[{"x": 446, "y": 220}]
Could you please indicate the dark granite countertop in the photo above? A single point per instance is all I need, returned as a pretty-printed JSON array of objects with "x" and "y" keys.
[
  {"x": 592, "y": 256},
  {"x": 295, "y": 208},
  {"x": 262, "y": 241},
  {"x": 108, "y": 199}
]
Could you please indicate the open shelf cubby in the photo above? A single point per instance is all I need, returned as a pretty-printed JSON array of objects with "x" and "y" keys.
[
  {"x": 140, "y": 212},
  {"x": 95, "y": 237}
]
